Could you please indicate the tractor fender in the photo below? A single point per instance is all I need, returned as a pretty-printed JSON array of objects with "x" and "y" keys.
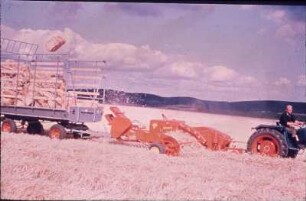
[{"x": 274, "y": 127}]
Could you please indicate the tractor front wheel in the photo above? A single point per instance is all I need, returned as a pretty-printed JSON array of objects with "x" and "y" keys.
[
  {"x": 57, "y": 131},
  {"x": 9, "y": 125},
  {"x": 268, "y": 142}
]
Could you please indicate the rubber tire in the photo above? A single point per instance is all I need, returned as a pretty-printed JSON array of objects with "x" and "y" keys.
[
  {"x": 172, "y": 147},
  {"x": 160, "y": 147},
  {"x": 292, "y": 153},
  {"x": 279, "y": 137},
  {"x": 13, "y": 127},
  {"x": 35, "y": 128},
  {"x": 60, "y": 128}
]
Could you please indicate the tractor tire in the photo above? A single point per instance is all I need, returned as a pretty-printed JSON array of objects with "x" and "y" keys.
[
  {"x": 57, "y": 131},
  {"x": 157, "y": 148},
  {"x": 292, "y": 153},
  {"x": 9, "y": 125},
  {"x": 268, "y": 142},
  {"x": 35, "y": 128}
]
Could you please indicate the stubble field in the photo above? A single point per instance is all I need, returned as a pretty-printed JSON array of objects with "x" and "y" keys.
[{"x": 36, "y": 167}]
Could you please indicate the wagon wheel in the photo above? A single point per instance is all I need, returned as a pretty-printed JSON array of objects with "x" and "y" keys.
[
  {"x": 268, "y": 142},
  {"x": 57, "y": 131},
  {"x": 9, "y": 126},
  {"x": 172, "y": 146},
  {"x": 157, "y": 148}
]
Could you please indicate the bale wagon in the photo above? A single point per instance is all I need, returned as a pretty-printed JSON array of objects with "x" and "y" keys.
[{"x": 48, "y": 87}]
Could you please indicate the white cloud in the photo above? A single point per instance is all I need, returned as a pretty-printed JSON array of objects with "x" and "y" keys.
[
  {"x": 287, "y": 28},
  {"x": 39, "y": 37},
  {"x": 301, "y": 80},
  {"x": 220, "y": 74},
  {"x": 185, "y": 69},
  {"x": 7, "y": 32},
  {"x": 247, "y": 80},
  {"x": 276, "y": 15},
  {"x": 119, "y": 56},
  {"x": 143, "y": 69},
  {"x": 122, "y": 56},
  {"x": 289, "y": 31},
  {"x": 179, "y": 69},
  {"x": 283, "y": 81},
  {"x": 223, "y": 78}
]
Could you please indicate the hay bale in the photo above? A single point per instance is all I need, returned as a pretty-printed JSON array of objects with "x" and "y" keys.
[{"x": 55, "y": 43}]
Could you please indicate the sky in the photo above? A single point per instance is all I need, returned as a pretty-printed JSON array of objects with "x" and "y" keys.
[{"x": 206, "y": 51}]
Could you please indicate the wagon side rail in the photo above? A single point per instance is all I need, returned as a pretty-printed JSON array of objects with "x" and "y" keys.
[
  {"x": 84, "y": 80},
  {"x": 18, "y": 47}
]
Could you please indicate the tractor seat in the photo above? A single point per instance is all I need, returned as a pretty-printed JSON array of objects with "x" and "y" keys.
[{"x": 282, "y": 128}]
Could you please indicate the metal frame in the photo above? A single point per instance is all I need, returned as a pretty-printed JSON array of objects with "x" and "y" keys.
[
  {"x": 18, "y": 47},
  {"x": 90, "y": 71}
]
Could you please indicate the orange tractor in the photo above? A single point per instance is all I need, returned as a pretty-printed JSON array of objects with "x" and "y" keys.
[{"x": 124, "y": 130}]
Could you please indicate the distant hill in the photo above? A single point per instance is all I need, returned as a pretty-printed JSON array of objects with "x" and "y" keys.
[{"x": 264, "y": 109}]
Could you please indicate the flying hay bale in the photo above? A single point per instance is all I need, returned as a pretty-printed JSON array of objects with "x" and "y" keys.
[{"x": 55, "y": 43}]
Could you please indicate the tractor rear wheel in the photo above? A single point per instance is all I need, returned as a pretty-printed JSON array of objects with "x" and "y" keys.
[
  {"x": 57, "y": 131},
  {"x": 9, "y": 125},
  {"x": 157, "y": 148},
  {"x": 268, "y": 142},
  {"x": 35, "y": 128}
]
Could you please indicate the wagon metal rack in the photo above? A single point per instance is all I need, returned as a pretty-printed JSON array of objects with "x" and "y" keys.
[
  {"x": 82, "y": 80},
  {"x": 19, "y": 47}
]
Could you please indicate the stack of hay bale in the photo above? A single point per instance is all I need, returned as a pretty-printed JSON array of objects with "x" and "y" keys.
[
  {"x": 13, "y": 91},
  {"x": 38, "y": 83},
  {"x": 29, "y": 87}
]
